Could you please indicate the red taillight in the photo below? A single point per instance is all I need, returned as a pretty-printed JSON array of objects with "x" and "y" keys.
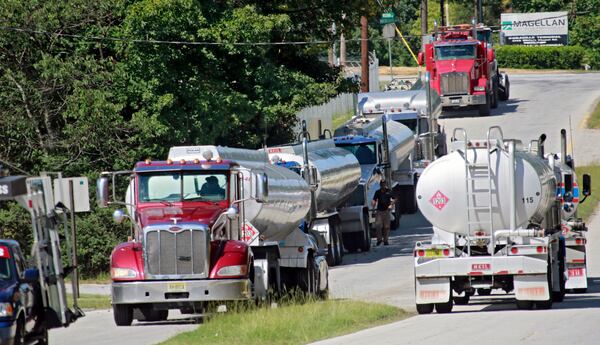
[
  {"x": 446, "y": 252},
  {"x": 539, "y": 249},
  {"x": 420, "y": 252},
  {"x": 300, "y": 249},
  {"x": 514, "y": 250},
  {"x": 579, "y": 241},
  {"x": 479, "y": 233}
]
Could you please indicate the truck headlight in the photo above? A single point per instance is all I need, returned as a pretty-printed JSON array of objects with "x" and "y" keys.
[
  {"x": 120, "y": 273},
  {"x": 6, "y": 309},
  {"x": 479, "y": 88},
  {"x": 233, "y": 271}
]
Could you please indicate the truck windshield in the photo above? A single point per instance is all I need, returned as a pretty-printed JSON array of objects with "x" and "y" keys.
[
  {"x": 182, "y": 186},
  {"x": 448, "y": 52},
  {"x": 365, "y": 153}
]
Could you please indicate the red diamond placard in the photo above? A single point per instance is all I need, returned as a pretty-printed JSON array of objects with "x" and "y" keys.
[{"x": 439, "y": 200}]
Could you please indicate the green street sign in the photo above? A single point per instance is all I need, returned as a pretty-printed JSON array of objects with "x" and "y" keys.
[{"x": 387, "y": 18}]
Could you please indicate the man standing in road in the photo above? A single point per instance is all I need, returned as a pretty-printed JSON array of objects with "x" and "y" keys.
[{"x": 383, "y": 201}]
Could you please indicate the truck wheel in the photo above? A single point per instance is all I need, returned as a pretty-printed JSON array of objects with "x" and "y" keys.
[
  {"x": 494, "y": 97},
  {"x": 444, "y": 308},
  {"x": 332, "y": 248},
  {"x": 484, "y": 292},
  {"x": 123, "y": 314},
  {"x": 484, "y": 109},
  {"x": 462, "y": 300},
  {"x": 20, "y": 332},
  {"x": 424, "y": 308},
  {"x": 504, "y": 93},
  {"x": 350, "y": 242},
  {"x": 524, "y": 305},
  {"x": 560, "y": 295},
  {"x": 307, "y": 278},
  {"x": 43, "y": 340},
  {"x": 340, "y": 246},
  {"x": 366, "y": 234},
  {"x": 152, "y": 315}
]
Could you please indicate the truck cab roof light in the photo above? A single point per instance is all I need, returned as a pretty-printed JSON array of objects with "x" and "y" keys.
[
  {"x": 196, "y": 161},
  {"x": 182, "y": 161},
  {"x": 148, "y": 161},
  {"x": 169, "y": 161}
]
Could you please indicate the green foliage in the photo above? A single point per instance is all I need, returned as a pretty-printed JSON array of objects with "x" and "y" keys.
[
  {"x": 571, "y": 57},
  {"x": 586, "y": 210},
  {"x": 15, "y": 223}
]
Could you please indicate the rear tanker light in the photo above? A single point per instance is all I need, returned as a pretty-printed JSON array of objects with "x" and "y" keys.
[
  {"x": 391, "y": 110},
  {"x": 479, "y": 233},
  {"x": 514, "y": 250},
  {"x": 446, "y": 252},
  {"x": 169, "y": 161},
  {"x": 579, "y": 241},
  {"x": 477, "y": 144},
  {"x": 420, "y": 253},
  {"x": 148, "y": 161},
  {"x": 539, "y": 249},
  {"x": 300, "y": 249},
  {"x": 469, "y": 144}
]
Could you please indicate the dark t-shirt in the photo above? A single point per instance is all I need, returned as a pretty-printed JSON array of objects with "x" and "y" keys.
[{"x": 383, "y": 198}]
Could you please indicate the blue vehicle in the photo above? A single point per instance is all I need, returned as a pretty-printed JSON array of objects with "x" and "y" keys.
[{"x": 21, "y": 306}]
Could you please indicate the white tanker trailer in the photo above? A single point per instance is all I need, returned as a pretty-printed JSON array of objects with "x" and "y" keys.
[
  {"x": 333, "y": 174},
  {"x": 497, "y": 222}
]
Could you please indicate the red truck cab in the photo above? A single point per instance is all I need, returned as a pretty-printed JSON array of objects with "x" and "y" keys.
[
  {"x": 183, "y": 252},
  {"x": 462, "y": 66}
]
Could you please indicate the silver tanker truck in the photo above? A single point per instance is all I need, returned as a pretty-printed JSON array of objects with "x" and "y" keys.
[
  {"x": 332, "y": 174},
  {"x": 210, "y": 224}
]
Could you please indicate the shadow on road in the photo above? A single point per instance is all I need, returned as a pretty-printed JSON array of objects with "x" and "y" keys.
[
  {"x": 191, "y": 320},
  {"x": 413, "y": 228},
  {"x": 506, "y": 107}
]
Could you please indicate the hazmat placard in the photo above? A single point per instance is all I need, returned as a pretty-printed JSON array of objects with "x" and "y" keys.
[{"x": 542, "y": 28}]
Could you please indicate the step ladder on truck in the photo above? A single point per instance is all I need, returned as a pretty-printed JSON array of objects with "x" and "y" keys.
[
  {"x": 501, "y": 229},
  {"x": 51, "y": 218}
]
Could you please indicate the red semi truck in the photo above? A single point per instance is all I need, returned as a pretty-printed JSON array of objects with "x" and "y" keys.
[{"x": 463, "y": 69}]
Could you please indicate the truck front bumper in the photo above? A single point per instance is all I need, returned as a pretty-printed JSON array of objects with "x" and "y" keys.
[
  {"x": 462, "y": 100},
  {"x": 180, "y": 291}
]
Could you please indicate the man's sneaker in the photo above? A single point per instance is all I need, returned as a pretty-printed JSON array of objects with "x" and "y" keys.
[
  {"x": 386, "y": 243},
  {"x": 379, "y": 243}
]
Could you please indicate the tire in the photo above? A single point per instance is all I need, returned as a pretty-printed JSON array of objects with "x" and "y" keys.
[
  {"x": 307, "y": 278},
  {"x": 424, "y": 308},
  {"x": 464, "y": 300},
  {"x": 484, "y": 109},
  {"x": 560, "y": 295},
  {"x": 350, "y": 242},
  {"x": 524, "y": 305},
  {"x": 444, "y": 308},
  {"x": 484, "y": 292},
  {"x": 505, "y": 93},
  {"x": 494, "y": 98},
  {"x": 366, "y": 235},
  {"x": 332, "y": 248},
  {"x": 340, "y": 247},
  {"x": 123, "y": 314},
  {"x": 20, "y": 332}
]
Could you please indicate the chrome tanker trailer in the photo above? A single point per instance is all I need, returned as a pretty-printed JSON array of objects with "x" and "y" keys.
[
  {"x": 497, "y": 224},
  {"x": 210, "y": 224},
  {"x": 382, "y": 149},
  {"x": 333, "y": 174},
  {"x": 412, "y": 109}
]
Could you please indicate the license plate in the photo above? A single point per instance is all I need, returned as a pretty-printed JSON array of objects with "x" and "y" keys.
[
  {"x": 576, "y": 272},
  {"x": 433, "y": 253},
  {"x": 455, "y": 101},
  {"x": 177, "y": 287}
]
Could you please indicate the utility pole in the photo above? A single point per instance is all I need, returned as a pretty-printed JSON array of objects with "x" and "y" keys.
[
  {"x": 342, "y": 50},
  {"x": 424, "y": 18},
  {"x": 442, "y": 19},
  {"x": 364, "y": 55}
]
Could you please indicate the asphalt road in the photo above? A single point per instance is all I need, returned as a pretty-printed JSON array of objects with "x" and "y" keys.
[{"x": 539, "y": 103}]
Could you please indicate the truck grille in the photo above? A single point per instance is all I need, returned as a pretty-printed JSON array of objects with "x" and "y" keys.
[
  {"x": 455, "y": 83},
  {"x": 182, "y": 254}
]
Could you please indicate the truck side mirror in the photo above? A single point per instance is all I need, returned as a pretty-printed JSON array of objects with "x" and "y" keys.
[
  {"x": 31, "y": 275},
  {"x": 119, "y": 216},
  {"x": 102, "y": 191},
  {"x": 587, "y": 185},
  {"x": 261, "y": 187},
  {"x": 420, "y": 58}
]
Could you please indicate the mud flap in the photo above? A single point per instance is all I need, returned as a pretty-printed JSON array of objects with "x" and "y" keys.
[
  {"x": 432, "y": 290},
  {"x": 531, "y": 287},
  {"x": 577, "y": 278}
]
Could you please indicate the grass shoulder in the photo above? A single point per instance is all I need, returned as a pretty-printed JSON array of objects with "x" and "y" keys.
[
  {"x": 586, "y": 209},
  {"x": 88, "y": 301},
  {"x": 290, "y": 324},
  {"x": 593, "y": 120}
]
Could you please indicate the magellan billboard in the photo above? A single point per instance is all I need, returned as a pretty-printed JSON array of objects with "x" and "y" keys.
[{"x": 543, "y": 28}]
